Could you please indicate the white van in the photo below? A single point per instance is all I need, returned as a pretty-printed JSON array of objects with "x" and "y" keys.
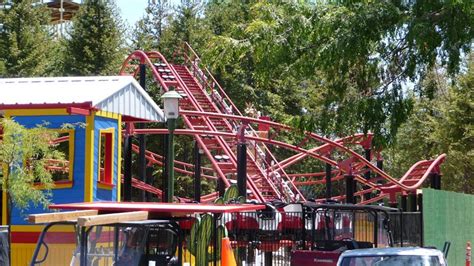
[{"x": 392, "y": 256}]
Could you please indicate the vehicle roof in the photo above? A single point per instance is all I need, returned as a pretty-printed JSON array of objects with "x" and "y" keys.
[{"x": 392, "y": 251}]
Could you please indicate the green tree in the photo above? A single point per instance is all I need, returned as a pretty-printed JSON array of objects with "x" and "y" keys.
[
  {"x": 95, "y": 42},
  {"x": 149, "y": 30},
  {"x": 185, "y": 25},
  {"x": 440, "y": 123},
  {"x": 25, "y": 45},
  {"x": 341, "y": 65},
  {"x": 24, "y": 156}
]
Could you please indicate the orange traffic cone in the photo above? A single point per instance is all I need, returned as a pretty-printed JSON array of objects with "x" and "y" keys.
[{"x": 227, "y": 255}]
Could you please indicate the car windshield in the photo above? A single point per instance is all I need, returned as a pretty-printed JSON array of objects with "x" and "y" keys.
[{"x": 414, "y": 260}]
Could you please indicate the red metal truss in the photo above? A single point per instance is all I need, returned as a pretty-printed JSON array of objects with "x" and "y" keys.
[
  {"x": 197, "y": 98},
  {"x": 217, "y": 125}
]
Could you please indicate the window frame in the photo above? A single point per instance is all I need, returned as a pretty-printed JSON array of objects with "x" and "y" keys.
[
  {"x": 70, "y": 181},
  {"x": 107, "y": 182}
]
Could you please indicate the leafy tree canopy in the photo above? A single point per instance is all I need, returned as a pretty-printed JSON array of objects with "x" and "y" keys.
[
  {"x": 343, "y": 65},
  {"x": 24, "y": 155},
  {"x": 95, "y": 44},
  {"x": 25, "y": 45},
  {"x": 148, "y": 31},
  {"x": 440, "y": 124}
]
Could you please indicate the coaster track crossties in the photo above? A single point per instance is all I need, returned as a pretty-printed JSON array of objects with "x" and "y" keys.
[{"x": 217, "y": 125}]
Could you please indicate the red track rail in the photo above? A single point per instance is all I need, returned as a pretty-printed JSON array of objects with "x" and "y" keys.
[{"x": 215, "y": 122}]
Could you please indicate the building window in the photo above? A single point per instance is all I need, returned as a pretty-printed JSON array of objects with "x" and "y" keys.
[
  {"x": 106, "y": 156},
  {"x": 61, "y": 170}
]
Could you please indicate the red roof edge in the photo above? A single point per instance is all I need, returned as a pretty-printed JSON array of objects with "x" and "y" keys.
[{"x": 84, "y": 105}]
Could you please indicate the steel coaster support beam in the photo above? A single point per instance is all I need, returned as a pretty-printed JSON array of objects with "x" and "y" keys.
[
  {"x": 404, "y": 203},
  {"x": 197, "y": 172},
  {"x": 435, "y": 181},
  {"x": 142, "y": 140},
  {"x": 350, "y": 189},
  {"x": 420, "y": 208},
  {"x": 438, "y": 181},
  {"x": 127, "y": 167},
  {"x": 368, "y": 156},
  {"x": 165, "y": 169},
  {"x": 149, "y": 177},
  {"x": 412, "y": 202},
  {"x": 242, "y": 163},
  {"x": 379, "y": 164},
  {"x": 367, "y": 174},
  {"x": 220, "y": 187},
  {"x": 170, "y": 163},
  {"x": 328, "y": 181}
]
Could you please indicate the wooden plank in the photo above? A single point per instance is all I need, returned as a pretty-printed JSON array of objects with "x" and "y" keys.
[
  {"x": 112, "y": 218},
  {"x": 158, "y": 208},
  {"x": 59, "y": 216}
]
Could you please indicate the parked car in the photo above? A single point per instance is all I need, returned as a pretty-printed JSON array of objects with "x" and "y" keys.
[{"x": 392, "y": 256}]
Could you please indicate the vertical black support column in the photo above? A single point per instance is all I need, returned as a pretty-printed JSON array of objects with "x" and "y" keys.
[
  {"x": 438, "y": 181},
  {"x": 142, "y": 162},
  {"x": 328, "y": 181},
  {"x": 142, "y": 140},
  {"x": 412, "y": 202},
  {"x": 197, "y": 173},
  {"x": 242, "y": 169},
  {"x": 127, "y": 167},
  {"x": 435, "y": 181},
  {"x": 165, "y": 170},
  {"x": 149, "y": 177},
  {"x": 420, "y": 208},
  {"x": 367, "y": 174},
  {"x": 380, "y": 164},
  {"x": 404, "y": 203},
  {"x": 350, "y": 189},
  {"x": 220, "y": 187},
  {"x": 242, "y": 161},
  {"x": 431, "y": 178}
]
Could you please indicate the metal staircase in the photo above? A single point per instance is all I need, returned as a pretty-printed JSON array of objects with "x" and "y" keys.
[
  {"x": 201, "y": 93},
  {"x": 221, "y": 151}
]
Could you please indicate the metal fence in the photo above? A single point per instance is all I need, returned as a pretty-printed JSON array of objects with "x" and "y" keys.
[
  {"x": 256, "y": 238},
  {"x": 268, "y": 238},
  {"x": 408, "y": 227}
]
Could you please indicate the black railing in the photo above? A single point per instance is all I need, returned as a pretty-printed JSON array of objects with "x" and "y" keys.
[
  {"x": 256, "y": 238},
  {"x": 407, "y": 227}
]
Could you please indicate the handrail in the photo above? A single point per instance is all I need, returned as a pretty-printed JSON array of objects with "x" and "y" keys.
[
  {"x": 194, "y": 62},
  {"x": 221, "y": 90}
]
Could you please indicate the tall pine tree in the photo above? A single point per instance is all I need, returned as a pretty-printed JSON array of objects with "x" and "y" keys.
[
  {"x": 149, "y": 30},
  {"x": 95, "y": 44},
  {"x": 25, "y": 45}
]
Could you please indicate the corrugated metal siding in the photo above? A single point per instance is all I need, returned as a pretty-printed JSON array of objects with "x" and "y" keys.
[
  {"x": 117, "y": 94},
  {"x": 132, "y": 101}
]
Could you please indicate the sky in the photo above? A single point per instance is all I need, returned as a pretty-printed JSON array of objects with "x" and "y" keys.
[{"x": 132, "y": 10}]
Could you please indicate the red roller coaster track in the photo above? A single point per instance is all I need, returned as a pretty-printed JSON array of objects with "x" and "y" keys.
[{"x": 216, "y": 124}]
